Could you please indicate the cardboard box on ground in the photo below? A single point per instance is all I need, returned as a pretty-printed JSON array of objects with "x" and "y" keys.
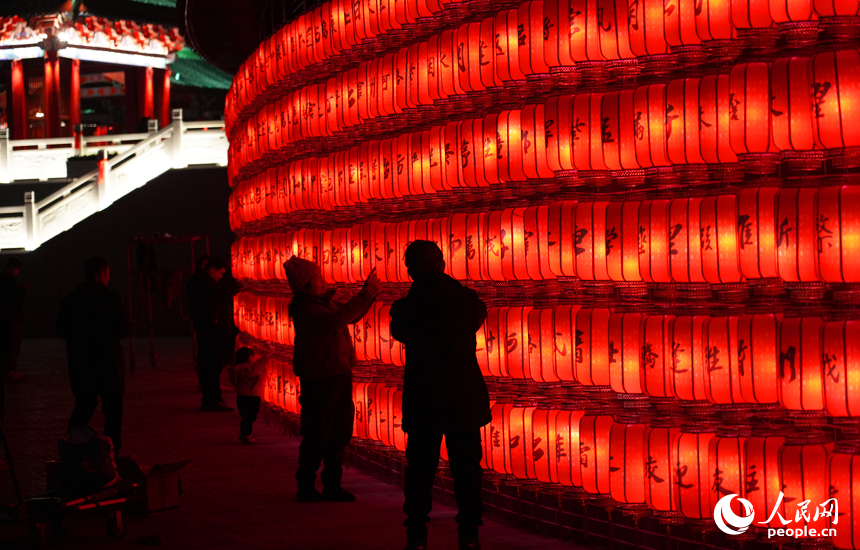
[{"x": 158, "y": 489}]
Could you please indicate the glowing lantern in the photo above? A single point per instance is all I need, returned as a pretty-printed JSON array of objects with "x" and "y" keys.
[
  {"x": 494, "y": 332},
  {"x": 564, "y": 340},
  {"x": 594, "y": 453},
  {"x": 617, "y": 116},
  {"x": 656, "y": 361},
  {"x": 688, "y": 351},
  {"x": 797, "y": 235},
  {"x": 842, "y": 482},
  {"x": 653, "y": 123},
  {"x": 517, "y": 342},
  {"x": 564, "y": 235},
  {"x": 656, "y": 237},
  {"x": 532, "y": 34},
  {"x": 541, "y": 346},
  {"x": 726, "y": 464},
  {"x": 682, "y": 145},
  {"x": 693, "y": 482},
  {"x": 660, "y": 471},
  {"x": 717, "y": 108},
  {"x": 757, "y": 358},
  {"x": 800, "y": 369},
  {"x": 722, "y": 380},
  {"x": 790, "y": 108},
  {"x": 500, "y": 429},
  {"x": 750, "y": 105},
  {"x": 612, "y": 23},
  {"x": 627, "y": 463},
  {"x": 757, "y": 232},
  {"x": 526, "y": 449},
  {"x": 751, "y": 14},
  {"x": 593, "y": 351},
  {"x": 839, "y": 343},
  {"x": 838, "y": 234},
  {"x": 762, "y": 482},
  {"x": 803, "y": 472},
  {"x": 391, "y": 352},
  {"x": 625, "y": 353},
  {"x": 623, "y": 241},
  {"x": 589, "y": 132},
  {"x": 592, "y": 240}
]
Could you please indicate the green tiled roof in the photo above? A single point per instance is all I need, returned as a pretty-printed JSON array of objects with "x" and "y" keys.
[{"x": 190, "y": 69}]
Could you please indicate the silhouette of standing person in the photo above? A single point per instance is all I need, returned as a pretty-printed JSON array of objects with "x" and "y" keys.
[
  {"x": 205, "y": 296},
  {"x": 323, "y": 359},
  {"x": 92, "y": 320},
  {"x": 443, "y": 392},
  {"x": 11, "y": 326},
  {"x": 11, "y": 318}
]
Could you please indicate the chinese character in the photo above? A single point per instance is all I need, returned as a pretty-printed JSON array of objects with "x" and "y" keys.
[
  {"x": 547, "y": 132},
  {"x": 705, "y": 237},
  {"x": 787, "y": 356},
  {"x": 606, "y": 135},
  {"x": 578, "y": 237},
  {"x": 673, "y": 233},
  {"x": 643, "y": 240},
  {"x": 638, "y": 128},
  {"x": 649, "y": 358},
  {"x": 676, "y": 360},
  {"x": 611, "y": 235},
  {"x": 563, "y": 350},
  {"x": 680, "y": 472},
  {"x": 481, "y": 47},
  {"x": 669, "y": 120},
  {"x": 733, "y": 106},
  {"x": 547, "y": 25},
  {"x": 651, "y": 465},
  {"x": 521, "y": 34},
  {"x": 830, "y": 367},
  {"x": 712, "y": 357},
  {"x": 784, "y": 230},
  {"x": 464, "y": 151},
  {"x": 819, "y": 92},
  {"x": 745, "y": 230},
  {"x": 612, "y": 352},
  {"x": 742, "y": 356},
  {"x": 824, "y": 234}
]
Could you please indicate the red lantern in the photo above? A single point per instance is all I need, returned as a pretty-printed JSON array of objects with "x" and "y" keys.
[
  {"x": 803, "y": 472},
  {"x": 656, "y": 240},
  {"x": 623, "y": 240},
  {"x": 591, "y": 237},
  {"x": 692, "y": 475},
  {"x": 517, "y": 342},
  {"x": 790, "y": 104},
  {"x": 750, "y": 105},
  {"x": 757, "y": 358},
  {"x": 564, "y": 340},
  {"x": 500, "y": 428},
  {"x": 762, "y": 480},
  {"x": 618, "y": 114},
  {"x": 800, "y": 385},
  {"x": 541, "y": 346},
  {"x": 526, "y": 449},
  {"x": 594, "y": 453},
  {"x": 757, "y": 232},
  {"x": 625, "y": 352},
  {"x": 841, "y": 467},
  {"x": 838, "y": 234},
  {"x": 726, "y": 464},
  {"x": 688, "y": 351},
  {"x": 660, "y": 471},
  {"x": 627, "y": 473},
  {"x": 589, "y": 132},
  {"x": 841, "y": 364},
  {"x": 657, "y": 356},
  {"x": 796, "y": 235},
  {"x": 722, "y": 379},
  {"x": 593, "y": 351},
  {"x": 716, "y": 111}
]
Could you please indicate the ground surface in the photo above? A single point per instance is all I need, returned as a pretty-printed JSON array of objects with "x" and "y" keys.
[{"x": 236, "y": 496}]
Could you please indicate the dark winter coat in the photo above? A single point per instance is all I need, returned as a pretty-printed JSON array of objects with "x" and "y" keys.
[
  {"x": 205, "y": 297},
  {"x": 92, "y": 320},
  {"x": 323, "y": 345},
  {"x": 443, "y": 387}
]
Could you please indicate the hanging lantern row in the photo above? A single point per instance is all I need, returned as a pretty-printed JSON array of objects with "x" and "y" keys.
[
  {"x": 792, "y": 105},
  {"x": 674, "y": 472},
  {"x": 282, "y": 386},
  {"x": 797, "y": 234},
  {"x": 802, "y": 363},
  {"x": 510, "y": 45},
  {"x": 267, "y": 318}
]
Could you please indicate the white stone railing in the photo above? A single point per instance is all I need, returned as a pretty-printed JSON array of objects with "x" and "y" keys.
[{"x": 140, "y": 158}]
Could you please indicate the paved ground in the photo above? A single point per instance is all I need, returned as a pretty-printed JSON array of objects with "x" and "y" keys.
[{"x": 236, "y": 496}]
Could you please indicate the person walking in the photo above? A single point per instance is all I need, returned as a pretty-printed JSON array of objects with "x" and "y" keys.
[
  {"x": 323, "y": 359},
  {"x": 248, "y": 375},
  {"x": 443, "y": 392},
  {"x": 92, "y": 320},
  {"x": 205, "y": 301}
]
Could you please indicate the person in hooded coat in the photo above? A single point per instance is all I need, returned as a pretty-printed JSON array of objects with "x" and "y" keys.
[
  {"x": 92, "y": 320},
  {"x": 443, "y": 391},
  {"x": 323, "y": 358}
]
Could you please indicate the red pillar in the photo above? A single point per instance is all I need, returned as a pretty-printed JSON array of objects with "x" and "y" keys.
[
  {"x": 75, "y": 97},
  {"x": 19, "y": 103},
  {"x": 145, "y": 103},
  {"x": 52, "y": 95},
  {"x": 161, "y": 104}
]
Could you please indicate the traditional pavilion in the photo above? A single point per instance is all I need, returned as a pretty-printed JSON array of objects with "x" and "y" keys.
[{"x": 95, "y": 67}]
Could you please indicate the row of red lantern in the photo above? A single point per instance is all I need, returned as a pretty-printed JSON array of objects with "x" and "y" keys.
[
  {"x": 282, "y": 386},
  {"x": 316, "y": 36},
  {"x": 507, "y": 46},
  {"x": 792, "y": 104},
  {"x": 797, "y": 234},
  {"x": 803, "y": 363},
  {"x": 267, "y": 318},
  {"x": 674, "y": 472}
]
